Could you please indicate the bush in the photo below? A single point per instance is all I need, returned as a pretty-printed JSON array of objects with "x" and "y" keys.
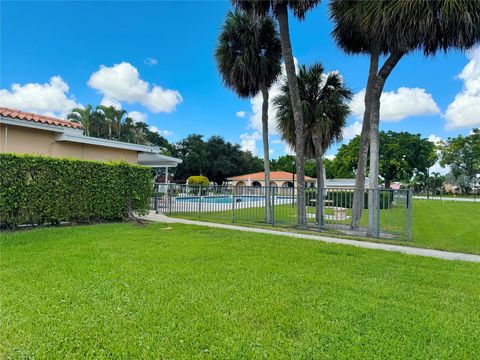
[
  {"x": 345, "y": 199},
  {"x": 43, "y": 190},
  {"x": 198, "y": 180}
]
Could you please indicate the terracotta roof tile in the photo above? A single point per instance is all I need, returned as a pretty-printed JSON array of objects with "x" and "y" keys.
[
  {"x": 47, "y": 120},
  {"x": 274, "y": 175}
]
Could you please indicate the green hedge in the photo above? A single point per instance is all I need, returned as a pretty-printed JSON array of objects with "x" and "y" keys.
[
  {"x": 345, "y": 199},
  {"x": 43, "y": 190},
  {"x": 198, "y": 180}
]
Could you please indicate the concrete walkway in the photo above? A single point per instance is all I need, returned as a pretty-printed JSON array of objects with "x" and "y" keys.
[{"x": 445, "y": 255}]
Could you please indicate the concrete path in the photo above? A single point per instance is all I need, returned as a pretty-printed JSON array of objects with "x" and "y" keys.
[
  {"x": 477, "y": 200},
  {"x": 446, "y": 255}
]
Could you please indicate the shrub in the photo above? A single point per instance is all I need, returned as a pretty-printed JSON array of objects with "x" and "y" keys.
[
  {"x": 345, "y": 199},
  {"x": 43, "y": 190},
  {"x": 198, "y": 180}
]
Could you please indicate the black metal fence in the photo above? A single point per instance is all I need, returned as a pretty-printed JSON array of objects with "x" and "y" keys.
[{"x": 327, "y": 209}]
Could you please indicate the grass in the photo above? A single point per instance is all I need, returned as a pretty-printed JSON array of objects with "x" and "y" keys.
[
  {"x": 441, "y": 225},
  {"x": 178, "y": 291}
]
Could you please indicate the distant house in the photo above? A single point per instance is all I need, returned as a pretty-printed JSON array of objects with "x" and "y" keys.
[
  {"x": 28, "y": 133},
  {"x": 277, "y": 178}
]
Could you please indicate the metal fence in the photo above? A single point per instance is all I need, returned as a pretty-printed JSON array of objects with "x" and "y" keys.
[{"x": 390, "y": 218}]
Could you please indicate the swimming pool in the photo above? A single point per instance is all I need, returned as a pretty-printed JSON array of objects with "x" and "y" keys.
[{"x": 222, "y": 199}]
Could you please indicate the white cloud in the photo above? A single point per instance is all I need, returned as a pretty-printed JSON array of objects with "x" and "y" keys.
[
  {"x": 138, "y": 116},
  {"x": 51, "y": 98},
  {"x": 464, "y": 111},
  {"x": 352, "y": 130},
  {"x": 288, "y": 150},
  {"x": 111, "y": 102},
  {"x": 121, "y": 82},
  {"x": 277, "y": 141},
  {"x": 437, "y": 168},
  {"x": 398, "y": 105},
  {"x": 330, "y": 157},
  {"x": 150, "y": 61},
  {"x": 248, "y": 142},
  {"x": 240, "y": 114},
  {"x": 435, "y": 139},
  {"x": 164, "y": 133},
  {"x": 271, "y": 151},
  {"x": 255, "y": 121}
]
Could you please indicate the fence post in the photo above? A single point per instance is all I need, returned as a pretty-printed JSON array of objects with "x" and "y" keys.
[
  {"x": 320, "y": 210},
  {"x": 233, "y": 204},
  {"x": 272, "y": 207},
  {"x": 169, "y": 194},
  {"x": 410, "y": 213},
  {"x": 155, "y": 198},
  {"x": 199, "y": 200},
  {"x": 377, "y": 220}
]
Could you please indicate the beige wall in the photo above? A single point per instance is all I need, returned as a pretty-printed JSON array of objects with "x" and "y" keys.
[{"x": 33, "y": 141}]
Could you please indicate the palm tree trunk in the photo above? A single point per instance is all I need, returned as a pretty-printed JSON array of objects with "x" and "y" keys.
[
  {"x": 373, "y": 211},
  {"x": 358, "y": 196},
  {"x": 266, "y": 154},
  {"x": 282, "y": 16}
]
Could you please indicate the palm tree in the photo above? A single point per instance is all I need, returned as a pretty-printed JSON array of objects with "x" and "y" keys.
[
  {"x": 114, "y": 119},
  {"x": 83, "y": 116},
  {"x": 325, "y": 107},
  {"x": 248, "y": 57},
  {"x": 280, "y": 8},
  {"x": 394, "y": 28}
]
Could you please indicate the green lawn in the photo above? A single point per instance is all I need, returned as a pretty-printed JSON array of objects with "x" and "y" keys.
[
  {"x": 442, "y": 225},
  {"x": 178, "y": 291}
]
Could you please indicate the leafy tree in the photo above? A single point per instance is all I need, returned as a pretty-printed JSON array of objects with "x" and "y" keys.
[
  {"x": 393, "y": 28},
  {"x": 214, "y": 158},
  {"x": 401, "y": 156},
  {"x": 248, "y": 57},
  {"x": 462, "y": 154},
  {"x": 279, "y": 8},
  {"x": 284, "y": 163}
]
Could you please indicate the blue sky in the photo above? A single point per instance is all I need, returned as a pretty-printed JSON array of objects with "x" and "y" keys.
[{"x": 179, "y": 91}]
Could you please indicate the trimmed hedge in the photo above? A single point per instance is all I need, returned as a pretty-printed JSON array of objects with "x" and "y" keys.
[
  {"x": 44, "y": 190},
  {"x": 198, "y": 180},
  {"x": 345, "y": 199}
]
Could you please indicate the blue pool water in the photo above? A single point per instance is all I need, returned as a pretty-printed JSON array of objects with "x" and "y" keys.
[{"x": 227, "y": 199}]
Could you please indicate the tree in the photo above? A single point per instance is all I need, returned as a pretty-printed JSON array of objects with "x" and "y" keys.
[
  {"x": 402, "y": 155},
  {"x": 325, "y": 101},
  {"x": 83, "y": 116},
  {"x": 248, "y": 57},
  {"x": 462, "y": 154},
  {"x": 280, "y": 8},
  {"x": 214, "y": 158},
  {"x": 394, "y": 28}
]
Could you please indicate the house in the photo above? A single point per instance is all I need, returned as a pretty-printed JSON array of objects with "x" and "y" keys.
[
  {"x": 28, "y": 133},
  {"x": 277, "y": 178}
]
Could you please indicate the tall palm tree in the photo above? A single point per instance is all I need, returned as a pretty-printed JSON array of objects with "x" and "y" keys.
[
  {"x": 279, "y": 8},
  {"x": 325, "y": 107},
  {"x": 248, "y": 57},
  {"x": 114, "y": 119},
  {"x": 393, "y": 28},
  {"x": 83, "y": 116}
]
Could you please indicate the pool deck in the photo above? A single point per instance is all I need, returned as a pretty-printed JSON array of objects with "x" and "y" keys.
[{"x": 438, "y": 254}]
